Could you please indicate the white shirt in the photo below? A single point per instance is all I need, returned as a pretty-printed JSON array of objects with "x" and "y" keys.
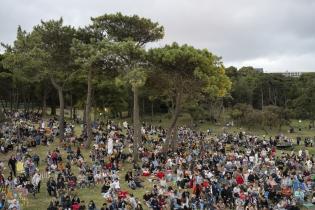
[
  {"x": 36, "y": 179},
  {"x": 110, "y": 146},
  {"x": 116, "y": 184}
]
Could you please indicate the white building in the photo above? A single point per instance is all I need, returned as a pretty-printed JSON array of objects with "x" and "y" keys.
[{"x": 289, "y": 73}]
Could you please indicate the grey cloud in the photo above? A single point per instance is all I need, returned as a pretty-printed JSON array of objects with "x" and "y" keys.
[{"x": 271, "y": 34}]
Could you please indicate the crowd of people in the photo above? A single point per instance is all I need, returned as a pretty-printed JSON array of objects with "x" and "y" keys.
[{"x": 205, "y": 171}]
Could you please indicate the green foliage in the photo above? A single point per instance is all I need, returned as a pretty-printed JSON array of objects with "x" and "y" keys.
[
  {"x": 241, "y": 113},
  {"x": 122, "y": 28},
  {"x": 231, "y": 72},
  {"x": 54, "y": 43},
  {"x": 95, "y": 54},
  {"x": 6, "y": 80},
  {"x": 111, "y": 96},
  {"x": 197, "y": 112},
  {"x": 270, "y": 116},
  {"x": 188, "y": 70},
  {"x": 304, "y": 103},
  {"x": 248, "y": 71},
  {"x": 112, "y": 48},
  {"x": 19, "y": 58},
  {"x": 136, "y": 77}
]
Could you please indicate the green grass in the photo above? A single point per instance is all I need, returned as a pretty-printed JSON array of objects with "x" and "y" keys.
[{"x": 42, "y": 199}]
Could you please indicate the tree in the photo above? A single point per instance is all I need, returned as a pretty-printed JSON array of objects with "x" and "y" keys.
[
  {"x": 248, "y": 71},
  {"x": 2, "y": 117},
  {"x": 269, "y": 117},
  {"x": 111, "y": 96},
  {"x": 304, "y": 104},
  {"x": 231, "y": 72},
  {"x": 120, "y": 28},
  {"x": 93, "y": 57},
  {"x": 275, "y": 116},
  {"x": 243, "y": 87},
  {"x": 187, "y": 72},
  {"x": 133, "y": 33},
  {"x": 6, "y": 84},
  {"x": 24, "y": 68},
  {"x": 2, "y": 76},
  {"x": 133, "y": 72},
  {"x": 55, "y": 41},
  {"x": 242, "y": 113}
]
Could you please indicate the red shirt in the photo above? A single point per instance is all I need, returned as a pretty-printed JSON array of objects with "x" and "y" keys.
[
  {"x": 160, "y": 175},
  {"x": 109, "y": 165},
  {"x": 75, "y": 206},
  {"x": 239, "y": 180},
  {"x": 122, "y": 194},
  {"x": 146, "y": 173},
  {"x": 205, "y": 184}
]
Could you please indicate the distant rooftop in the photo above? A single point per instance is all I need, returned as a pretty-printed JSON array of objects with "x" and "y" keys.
[
  {"x": 260, "y": 70},
  {"x": 290, "y": 73}
]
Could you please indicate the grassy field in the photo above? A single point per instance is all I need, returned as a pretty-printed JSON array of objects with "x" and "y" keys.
[{"x": 42, "y": 199}]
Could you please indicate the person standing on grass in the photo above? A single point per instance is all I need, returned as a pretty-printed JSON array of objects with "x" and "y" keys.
[
  {"x": 12, "y": 165},
  {"x": 36, "y": 182}
]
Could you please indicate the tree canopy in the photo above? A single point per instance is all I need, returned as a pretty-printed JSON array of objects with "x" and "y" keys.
[{"x": 106, "y": 65}]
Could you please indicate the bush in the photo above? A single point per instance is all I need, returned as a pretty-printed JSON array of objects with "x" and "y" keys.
[{"x": 270, "y": 116}]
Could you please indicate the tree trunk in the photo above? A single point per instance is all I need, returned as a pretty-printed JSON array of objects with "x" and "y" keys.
[
  {"x": 11, "y": 101},
  {"x": 74, "y": 113},
  {"x": 17, "y": 101},
  {"x": 94, "y": 113},
  {"x": 38, "y": 108},
  {"x": 136, "y": 124},
  {"x": 6, "y": 103},
  {"x": 71, "y": 108},
  {"x": 262, "y": 99},
  {"x": 3, "y": 106},
  {"x": 44, "y": 110},
  {"x": 61, "y": 114},
  {"x": 120, "y": 114},
  {"x": 61, "y": 107},
  {"x": 2, "y": 116},
  {"x": 30, "y": 104},
  {"x": 218, "y": 114},
  {"x": 25, "y": 102},
  {"x": 53, "y": 110},
  {"x": 143, "y": 107},
  {"x": 130, "y": 107},
  {"x": 84, "y": 115},
  {"x": 170, "y": 130},
  {"x": 174, "y": 139},
  {"x": 152, "y": 111},
  {"x": 88, "y": 110}
]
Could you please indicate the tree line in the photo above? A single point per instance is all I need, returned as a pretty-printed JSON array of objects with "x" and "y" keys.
[
  {"x": 270, "y": 99},
  {"x": 106, "y": 66}
]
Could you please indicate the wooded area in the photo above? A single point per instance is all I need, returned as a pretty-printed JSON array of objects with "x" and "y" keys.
[{"x": 106, "y": 68}]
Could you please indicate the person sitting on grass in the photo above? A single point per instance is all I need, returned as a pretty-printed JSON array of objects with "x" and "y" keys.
[
  {"x": 52, "y": 187},
  {"x": 2, "y": 200},
  {"x": 14, "y": 205},
  {"x": 82, "y": 180},
  {"x": 91, "y": 205},
  {"x": 106, "y": 186},
  {"x": 90, "y": 178}
]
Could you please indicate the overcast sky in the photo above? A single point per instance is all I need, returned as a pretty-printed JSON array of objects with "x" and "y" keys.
[{"x": 276, "y": 35}]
